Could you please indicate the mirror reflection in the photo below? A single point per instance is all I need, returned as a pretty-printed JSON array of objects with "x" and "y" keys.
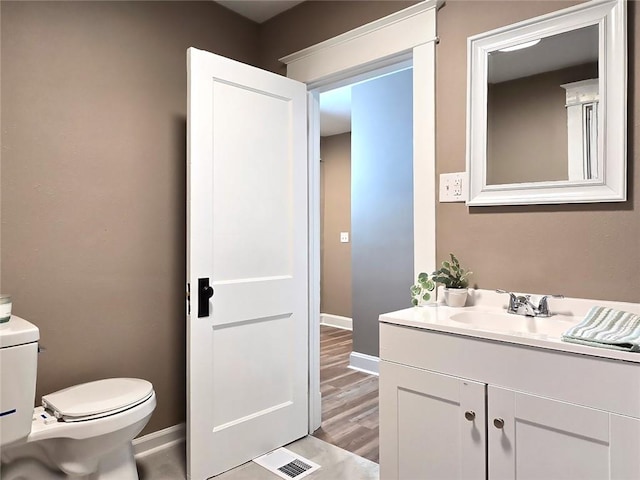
[{"x": 542, "y": 110}]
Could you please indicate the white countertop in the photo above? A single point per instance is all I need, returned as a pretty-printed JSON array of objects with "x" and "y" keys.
[{"x": 488, "y": 320}]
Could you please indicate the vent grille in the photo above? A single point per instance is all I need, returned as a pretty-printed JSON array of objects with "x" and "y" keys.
[
  {"x": 295, "y": 468},
  {"x": 287, "y": 464}
]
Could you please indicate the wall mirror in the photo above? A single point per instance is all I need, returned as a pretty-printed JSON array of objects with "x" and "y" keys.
[{"x": 546, "y": 108}]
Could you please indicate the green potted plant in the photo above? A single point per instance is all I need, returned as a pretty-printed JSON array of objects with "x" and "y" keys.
[
  {"x": 454, "y": 279},
  {"x": 421, "y": 290}
]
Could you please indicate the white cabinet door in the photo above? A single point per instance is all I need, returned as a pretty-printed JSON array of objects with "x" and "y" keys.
[
  {"x": 534, "y": 438},
  {"x": 424, "y": 430}
]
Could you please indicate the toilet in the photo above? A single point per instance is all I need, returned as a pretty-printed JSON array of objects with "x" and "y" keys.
[{"x": 81, "y": 432}]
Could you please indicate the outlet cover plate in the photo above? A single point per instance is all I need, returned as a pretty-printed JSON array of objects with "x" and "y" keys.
[{"x": 453, "y": 187}]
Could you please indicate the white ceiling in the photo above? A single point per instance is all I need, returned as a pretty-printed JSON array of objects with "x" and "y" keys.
[{"x": 259, "y": 10}]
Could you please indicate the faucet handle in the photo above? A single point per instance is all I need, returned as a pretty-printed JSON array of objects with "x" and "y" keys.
[
  {"x": 513, "y": 301},
  {"x": 543, "y": 305}
]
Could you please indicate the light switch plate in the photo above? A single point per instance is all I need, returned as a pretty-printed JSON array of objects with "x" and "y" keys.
[{"x": 453, "y": 187}]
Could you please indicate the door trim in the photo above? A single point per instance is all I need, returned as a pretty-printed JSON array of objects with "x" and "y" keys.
[{"x": 407, "y": 35}]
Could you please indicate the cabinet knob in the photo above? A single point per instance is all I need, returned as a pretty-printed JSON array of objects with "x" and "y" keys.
[
  {"x": 498, "y": 422},
  {"x": 470, "y": 415}
]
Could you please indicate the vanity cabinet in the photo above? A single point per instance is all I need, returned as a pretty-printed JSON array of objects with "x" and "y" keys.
[{"x": 456, "y": 407}]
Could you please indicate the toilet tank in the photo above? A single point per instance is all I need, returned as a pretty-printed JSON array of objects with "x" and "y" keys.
[{"x": 18, "y": 369}]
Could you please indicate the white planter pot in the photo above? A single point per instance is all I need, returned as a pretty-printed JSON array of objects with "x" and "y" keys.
[{"x": 455, "y": 297}]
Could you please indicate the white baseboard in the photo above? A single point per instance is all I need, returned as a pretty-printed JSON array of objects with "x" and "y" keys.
[
  {"x": 156, "y": 441},
  {"x": 336, "y": 321},
  {"x": 364, "y": 363}
]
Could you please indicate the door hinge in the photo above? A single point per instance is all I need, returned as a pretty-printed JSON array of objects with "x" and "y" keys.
[{"x": 188, "y": 299}]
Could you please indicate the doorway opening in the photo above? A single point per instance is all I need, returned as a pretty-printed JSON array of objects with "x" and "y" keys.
[
  {"x": 366, "y": 244},
  {"x": 408, "y": 35}
]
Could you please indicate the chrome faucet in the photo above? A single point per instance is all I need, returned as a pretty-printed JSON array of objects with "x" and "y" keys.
[{"x": 521, "y": 305}]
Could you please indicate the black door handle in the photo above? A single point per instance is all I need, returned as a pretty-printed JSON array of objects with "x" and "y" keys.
[{"x": 205, "y": 292}]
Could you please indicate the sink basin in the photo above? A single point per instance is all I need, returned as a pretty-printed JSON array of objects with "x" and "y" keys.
[{"x": 501, "y": 322}]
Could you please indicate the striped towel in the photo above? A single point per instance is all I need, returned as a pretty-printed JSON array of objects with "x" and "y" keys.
[{"x": 607, "y": 328}]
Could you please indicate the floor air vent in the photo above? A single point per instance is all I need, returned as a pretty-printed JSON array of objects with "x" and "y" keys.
[
  {"x": 286, "y": 464},
  {"x": 294, "y": 469}
]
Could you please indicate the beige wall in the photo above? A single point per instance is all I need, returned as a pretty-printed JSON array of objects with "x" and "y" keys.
[
  {"x": 588, "y": 251},
  {"x": 93, "y": 182},
  {"x": 313, "y": 21},
  {"x": 528, "y": 116},
  {"x": 335, "y": 204},
  {"x": 93, "y": 173}
]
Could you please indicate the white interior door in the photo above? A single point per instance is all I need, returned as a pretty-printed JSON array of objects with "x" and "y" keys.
[{"x": 247, "y": 357}]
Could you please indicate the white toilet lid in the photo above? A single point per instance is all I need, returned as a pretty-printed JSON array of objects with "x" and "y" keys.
[{"x": 97, "y": 399}]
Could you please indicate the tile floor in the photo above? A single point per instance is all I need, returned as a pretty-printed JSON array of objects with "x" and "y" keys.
[{"x": 337, "y": 464}]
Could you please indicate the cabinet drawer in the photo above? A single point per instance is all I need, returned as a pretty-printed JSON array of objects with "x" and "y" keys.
[{"x": 594, "y": 382}]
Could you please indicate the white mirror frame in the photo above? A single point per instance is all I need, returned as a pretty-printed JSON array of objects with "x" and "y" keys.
[{"x": 611, "y": 183}]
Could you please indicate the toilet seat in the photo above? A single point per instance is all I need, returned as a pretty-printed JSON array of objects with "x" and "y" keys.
[
  {"x": 93, "y": 400},
  {"x": 53, "y": 428}
]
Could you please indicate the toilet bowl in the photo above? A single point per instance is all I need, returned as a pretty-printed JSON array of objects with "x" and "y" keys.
[{"x": 81, "y": 432}]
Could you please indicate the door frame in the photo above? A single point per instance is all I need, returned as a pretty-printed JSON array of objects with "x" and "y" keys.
[{"x": 408, "y": 35}]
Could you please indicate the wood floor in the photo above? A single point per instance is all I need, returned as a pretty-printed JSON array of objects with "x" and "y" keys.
[{"x": 349, "y": 398}]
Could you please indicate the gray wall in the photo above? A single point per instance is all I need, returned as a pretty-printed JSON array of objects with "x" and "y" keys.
[
  {"x": 335, "y": 212},
  {"x": 381, "y": 203}
]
